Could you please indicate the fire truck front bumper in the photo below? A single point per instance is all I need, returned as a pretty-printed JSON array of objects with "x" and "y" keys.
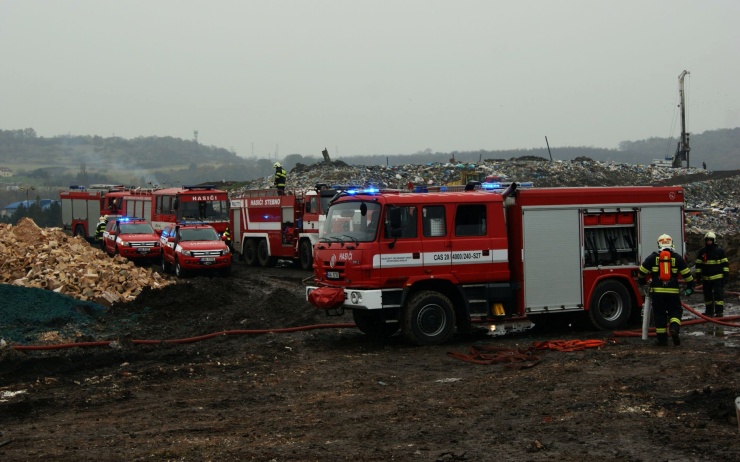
[
  {"x": 196, "y": 263},
  {"x": 333, "y": 297},
  {"x": 134, "y": 253}
]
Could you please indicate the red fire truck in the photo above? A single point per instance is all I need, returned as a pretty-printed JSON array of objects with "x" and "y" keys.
[
  {"x": 267, "y": 226},
  {"x": 82, "y": 206},
  {"x": 443, "y": 260},
  {"x": 162, "y": 207}
]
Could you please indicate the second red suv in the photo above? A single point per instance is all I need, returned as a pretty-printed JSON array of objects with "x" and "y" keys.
[{"x": 190, "y": 247}]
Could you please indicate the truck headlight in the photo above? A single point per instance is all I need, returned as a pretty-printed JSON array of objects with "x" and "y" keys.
[
  {"x": 186, "y": 253},
  {"x": 355, "y": 297}
]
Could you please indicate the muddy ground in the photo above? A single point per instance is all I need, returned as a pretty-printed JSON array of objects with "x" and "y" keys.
[{"x": 331, "y": 394}]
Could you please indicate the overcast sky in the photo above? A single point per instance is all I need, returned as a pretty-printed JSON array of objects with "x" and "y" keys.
[{"x": 370, "y": 77}]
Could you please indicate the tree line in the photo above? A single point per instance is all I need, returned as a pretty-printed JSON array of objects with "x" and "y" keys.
[{"x": 168, "y": 161}]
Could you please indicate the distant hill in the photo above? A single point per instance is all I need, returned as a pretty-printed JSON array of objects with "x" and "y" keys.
[{"x": 71, "y": 159}]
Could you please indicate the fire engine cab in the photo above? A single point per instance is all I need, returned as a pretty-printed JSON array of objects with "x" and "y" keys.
[
  {"x": 440, "y": 261},
  {"x": 267, "y": 226},
  {"x": 188, "y": 247},
  {"x": 132, "y": 238}
]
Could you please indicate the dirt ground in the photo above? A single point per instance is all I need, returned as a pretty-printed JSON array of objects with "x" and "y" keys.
[{"x": 332, "y": 394}]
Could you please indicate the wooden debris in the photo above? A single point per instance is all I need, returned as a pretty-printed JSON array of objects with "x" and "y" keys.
[{"x": 50, "y": 259}]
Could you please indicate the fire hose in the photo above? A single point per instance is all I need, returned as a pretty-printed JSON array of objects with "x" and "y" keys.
[
  {"x": 185, "y": 340},
  {"x": 724, "y": 321}
]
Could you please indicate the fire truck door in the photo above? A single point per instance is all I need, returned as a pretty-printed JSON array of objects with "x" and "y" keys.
[
  {"x": 472, "y": 253},
  {"x": 236, "y": 229},
  {"x": 403, "y": 259},
  {"x": 552, "y": 259},
  {"x": 658, "y": 220}
]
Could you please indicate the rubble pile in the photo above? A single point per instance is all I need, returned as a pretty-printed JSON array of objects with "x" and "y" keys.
[{"x": 49, "y": 259}]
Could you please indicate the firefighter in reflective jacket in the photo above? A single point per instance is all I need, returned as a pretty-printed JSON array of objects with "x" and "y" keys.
[
  {"x": 712, "y": 268},
  {"x": 226, "y": 236},
  {"x": 664, "y": 267},
  {"x": 100, "y": 228},
  {"x": 280, "y": 177}
]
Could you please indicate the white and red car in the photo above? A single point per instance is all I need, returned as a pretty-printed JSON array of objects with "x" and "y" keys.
[
  {"x": 189, "y": 247},
  {"x": 132, "y": 238}
]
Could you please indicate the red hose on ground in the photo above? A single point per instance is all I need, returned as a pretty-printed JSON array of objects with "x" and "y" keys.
[
  {"x": 702, "y": 319},
  {"x": 284, "y": 330}
]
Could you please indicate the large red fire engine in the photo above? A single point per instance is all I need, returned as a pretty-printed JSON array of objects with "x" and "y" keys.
[
  {"x": 162, "y": 207},
  {"x": 267, "y": 226},
  {"x": 82, "y": 206},
  {"x": 443, "y": 260}
]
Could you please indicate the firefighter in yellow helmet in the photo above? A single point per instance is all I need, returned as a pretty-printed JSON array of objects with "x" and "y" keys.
[
  {"x": 712, "y": 270},
  {"x": 102, "y": 221},
  {"x": 664, "y": 266},
  {"x": 280, "y": 177}
]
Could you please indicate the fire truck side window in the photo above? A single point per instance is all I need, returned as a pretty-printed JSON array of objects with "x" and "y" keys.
[
  {"x": 470, "y": 220},
  {"x": 312, "y": 206},
  {"x": 408, "y": 222},
  {"x": 433, "y": 221}
]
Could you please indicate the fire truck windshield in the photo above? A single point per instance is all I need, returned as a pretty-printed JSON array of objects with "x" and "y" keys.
[
  {"x": 198, "y": 234},
  {"x": 136, "y": 228},
  {"x": 345, "y": 221},
  {"x": 203, "y": 210}
]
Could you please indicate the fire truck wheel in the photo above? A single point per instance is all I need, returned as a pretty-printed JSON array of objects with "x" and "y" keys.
[
  {"x": 263, "y": 255},
  {"x": 250, "y": 252},
  {"x": 306, "y": 253},
  {"x": 428, "y": 318},
  {"x": 180, "y": 272},
  {"x": 79, "y": 231},
  {"x": 372, "y": 323},
  {"x": 610, "y": 306}
]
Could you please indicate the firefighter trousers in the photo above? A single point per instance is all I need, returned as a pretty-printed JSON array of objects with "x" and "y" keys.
[
  {"x": 714, "y": 297},
  {"x": 666, "y": 310}
]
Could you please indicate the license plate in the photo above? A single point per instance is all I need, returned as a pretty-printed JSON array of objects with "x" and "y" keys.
[
  {"x": 207, "y": 260},
  {"x": 143, "y": 250},
  {"x": 332, "y": 275}
]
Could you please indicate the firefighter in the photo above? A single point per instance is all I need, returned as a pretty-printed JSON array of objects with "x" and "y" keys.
[
  {"x": 226, "y": 236},
  {"x": 712, "y": 269},
  {"x": 280, "y": 177},
  {"x": 100, "y": 228},
  {"x": 664, "y": 266}
]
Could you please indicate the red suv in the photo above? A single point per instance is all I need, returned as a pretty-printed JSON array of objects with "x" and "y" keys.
[
  {"x": 132, "y": 238},
  {"x": 190, "y": 247}
]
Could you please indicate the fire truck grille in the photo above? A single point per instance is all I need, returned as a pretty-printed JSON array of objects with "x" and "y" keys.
[
  {"x": 142, "y": 244},
  {"x": 206, "y": 253}
]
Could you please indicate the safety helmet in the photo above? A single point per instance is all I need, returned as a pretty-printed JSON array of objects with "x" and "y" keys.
[
  {"x": 665, "y": 242},
  {"x": 277, "y": 165},
  {"x": 710, "y": 235}
]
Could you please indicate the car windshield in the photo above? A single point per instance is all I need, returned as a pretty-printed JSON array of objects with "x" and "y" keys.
[
  {"x": 345, "y": 222},
  {"x": 136, "y": 228},
  {"x": 198, "y": 234}
]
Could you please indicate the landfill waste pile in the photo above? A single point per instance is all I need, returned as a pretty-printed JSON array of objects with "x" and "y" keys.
[
  {"x": 51, "y": 260},
  {"x": 716, "y": 197}
]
